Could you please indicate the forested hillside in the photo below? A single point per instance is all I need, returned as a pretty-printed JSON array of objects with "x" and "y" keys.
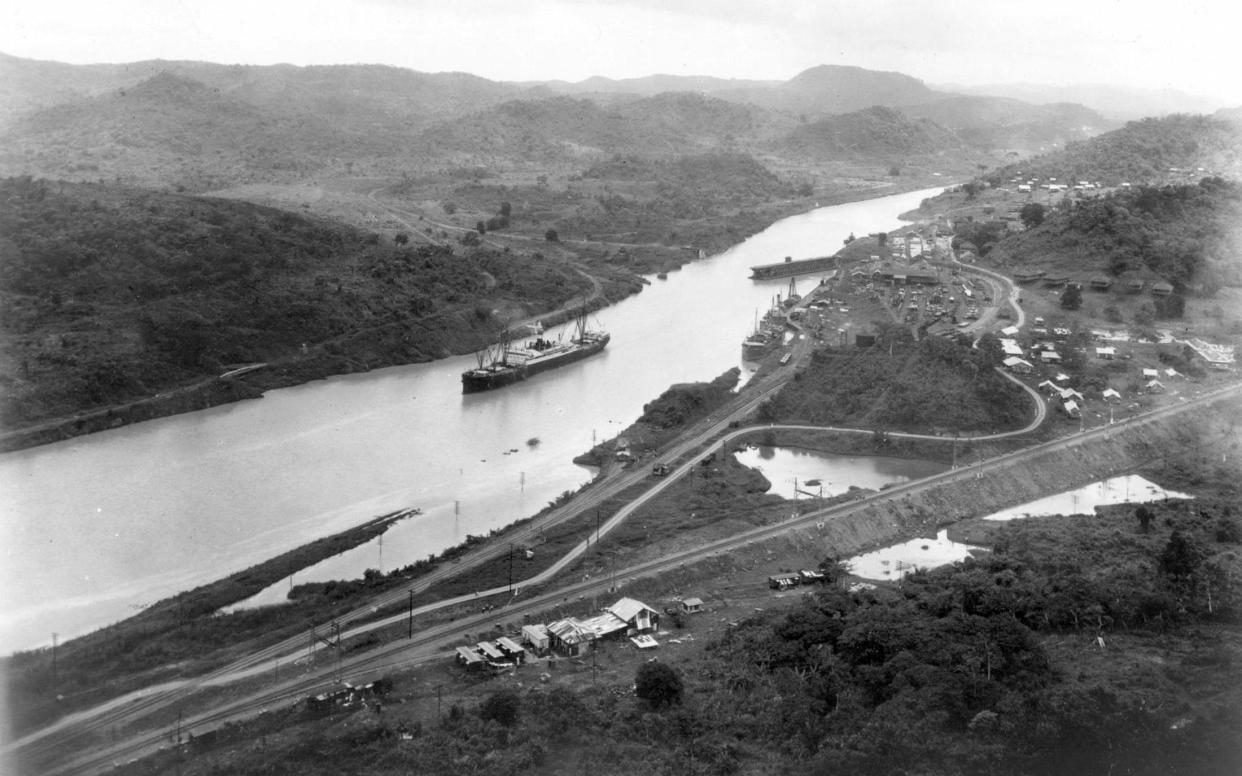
[
  {"x": 1187, "y": 235},
  {"x": 170, "y": 129},
  {"x": 1141, "y": 152},
  {"x": 112, "y": 294}
]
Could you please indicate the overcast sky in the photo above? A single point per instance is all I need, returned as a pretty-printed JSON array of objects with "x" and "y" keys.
[{"x": 1189, "y": 45}]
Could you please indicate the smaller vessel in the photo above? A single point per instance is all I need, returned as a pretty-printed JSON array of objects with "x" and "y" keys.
[{"x": 768, "y": 334}]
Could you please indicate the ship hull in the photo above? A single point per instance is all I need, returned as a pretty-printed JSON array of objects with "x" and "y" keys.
[
  {"x": 490, "y": 378},
  {"x": 787, "y": 268}
]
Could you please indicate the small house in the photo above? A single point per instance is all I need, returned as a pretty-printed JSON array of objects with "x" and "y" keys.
[
  {"x": 1027, "y": 275},
  {"x": 783, "y": 581},
  {"x": 1100, "y": 283},
  {"x": 469, "y": 657},
  {"x": 1049, "y": 387},
  {"x": 1134, "y": 285},
  {"x": 512, "y": 650},
  {"x": 1107, "y": 353},
  {"x": 1150, "y": 374},
  {"x": 536, "y": 637},
  {"x": 1154, "y": 386},
  {"x": 1018, "y": 365},
  {"x": 692, "y": 605},
  {"x": 635, "y": 614},
  {"x": 1050, "y": 357},
  {"x": 1161, "y": 288},
  {"x": 1056, "y": 279},
  {"x": 1010, "y": 347},
  {"x": 1071, "y": 409},
  {"x": 809, "y": 576},
  {"x": 1069, "y": 394},
  {"x": 1111, "y": 396},
  {"x": 490, "y": 651}
]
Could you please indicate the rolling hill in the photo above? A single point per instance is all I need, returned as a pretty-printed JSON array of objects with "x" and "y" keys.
[
  {"x": 1002, "y": 123},
  {"x": 1149, "y": 151},
  {"x": 875, "y": 133}
]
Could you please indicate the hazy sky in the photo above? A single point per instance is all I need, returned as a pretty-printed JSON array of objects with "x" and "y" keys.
[{"x": 1185, "y": 44}]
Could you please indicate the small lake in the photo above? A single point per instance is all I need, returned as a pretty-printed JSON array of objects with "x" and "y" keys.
[
  {"x": 901, "y": 559},
  {"x": 800, "y": 473},
  {"x": 1130, "y": 489}
]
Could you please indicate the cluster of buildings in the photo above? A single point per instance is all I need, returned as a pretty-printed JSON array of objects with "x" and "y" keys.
[{"x": 572, "y": 636}]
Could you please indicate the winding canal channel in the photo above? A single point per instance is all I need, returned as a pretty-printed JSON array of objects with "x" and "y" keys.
[{"x": 97, "y": 527}]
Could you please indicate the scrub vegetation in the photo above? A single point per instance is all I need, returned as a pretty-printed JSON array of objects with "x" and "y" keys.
[{"x": 936, "y": 384}]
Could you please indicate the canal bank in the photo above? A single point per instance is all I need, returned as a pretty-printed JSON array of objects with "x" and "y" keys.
[{"x": 169, "y": 504}]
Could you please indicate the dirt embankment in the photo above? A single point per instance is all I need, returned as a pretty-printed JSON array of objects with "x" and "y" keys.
[{"x": 1154, "y": 447}]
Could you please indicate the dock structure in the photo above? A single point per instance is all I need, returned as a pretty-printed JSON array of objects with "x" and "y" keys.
[{"x": 791, "y": 267}]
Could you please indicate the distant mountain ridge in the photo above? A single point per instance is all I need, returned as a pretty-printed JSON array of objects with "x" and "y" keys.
[
  {"x": 1117, "y": 102},
  {"x": 238, "y": 123}
]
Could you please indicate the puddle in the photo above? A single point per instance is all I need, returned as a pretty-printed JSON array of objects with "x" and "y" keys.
[
  {"x": 901, "y": 559},
  {"x": 1130, "y": 489}
]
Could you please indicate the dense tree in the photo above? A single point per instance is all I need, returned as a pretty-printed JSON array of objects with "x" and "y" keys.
[
  {"x": 972, "y": 189},
  {"x": 1180, "y": 557},
  {"x": 502, "y": 706},
  {"x": 1071, "y": 297},
  {"x": 658, "y": 684},
  {"x": 1032, "y": 214}
]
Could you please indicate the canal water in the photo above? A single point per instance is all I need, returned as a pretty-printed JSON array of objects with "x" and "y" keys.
[{"x": 97, "y": 527}]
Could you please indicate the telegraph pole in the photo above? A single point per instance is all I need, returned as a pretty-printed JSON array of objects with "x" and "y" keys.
[
  {"x": 411, "y": 633},
  {"x": 510, "y": 569}
]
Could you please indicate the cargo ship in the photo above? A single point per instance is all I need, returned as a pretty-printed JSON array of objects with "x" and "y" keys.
[
  {"x": 503, "y": 363},
  {"x": 791, "y": 267}
]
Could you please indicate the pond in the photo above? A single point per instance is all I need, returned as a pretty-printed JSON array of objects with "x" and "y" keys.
[{"x": 797, "y": 473}]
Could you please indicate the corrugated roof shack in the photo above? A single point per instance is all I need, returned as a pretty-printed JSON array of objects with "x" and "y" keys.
[
  {"x": 512, "y": 650},
  {"x": 784, "y": 581},
  {"x": 568, "y": 637}
]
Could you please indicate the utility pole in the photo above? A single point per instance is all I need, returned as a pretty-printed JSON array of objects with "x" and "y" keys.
[
  {"x": 54, "y": 636},
  {"x": 510, "y": 569},
  {"x": 411, "y": 633}
]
